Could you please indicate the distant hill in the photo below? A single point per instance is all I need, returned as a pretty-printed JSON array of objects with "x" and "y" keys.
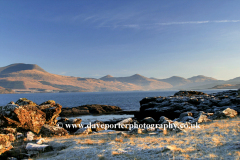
[
  {"x": 5, "y": 91},
  {"x": 19, "y": 67},
  {"x": 137, "y": 79},
  {"x": 22, "y": 77},
  {"x": 227, "y": 86},
  {"x": 30, "y": 77},
  {"x": 201, "y": 78},
  {"x": 196, "y": 82},
  {"x": 176, "y": 81}
]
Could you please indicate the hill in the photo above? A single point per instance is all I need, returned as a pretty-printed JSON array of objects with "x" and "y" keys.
[
  {"x": 137, "y": 79},
  {"x": 32, "y": 78},
  {"x": 5, "y": 91},
  {"x": 176, "y": 81},
  {"x": 201, "y": 78},
  {"x": 22, "y": 77},
  {"x": 19, "y": 67}
]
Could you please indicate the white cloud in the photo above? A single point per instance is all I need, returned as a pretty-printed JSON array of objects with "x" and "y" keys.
[{"x": 170, "y": 23}]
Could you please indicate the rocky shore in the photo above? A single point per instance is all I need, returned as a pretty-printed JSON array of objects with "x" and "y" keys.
[{"x": 25, "y": 125}]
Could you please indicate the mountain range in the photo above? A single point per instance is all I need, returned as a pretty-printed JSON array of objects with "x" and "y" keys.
[{"x": 20, "y": 77}]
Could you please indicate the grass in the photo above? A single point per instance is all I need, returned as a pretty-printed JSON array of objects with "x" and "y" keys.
[{"x": 214, "y": 140}]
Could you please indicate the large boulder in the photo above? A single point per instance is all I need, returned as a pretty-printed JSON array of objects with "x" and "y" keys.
[{"x": 27, "y": 117}]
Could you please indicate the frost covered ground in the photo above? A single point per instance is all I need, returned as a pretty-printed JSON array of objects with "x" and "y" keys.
[{"x": 216, "y": 140}]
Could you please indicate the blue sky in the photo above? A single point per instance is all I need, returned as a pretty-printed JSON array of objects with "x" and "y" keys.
[{"x": 158, "y": 39}]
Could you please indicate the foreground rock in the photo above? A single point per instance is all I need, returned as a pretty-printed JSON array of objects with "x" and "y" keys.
[
  {"x": 89, "y": 109},
  {"x": 28, "y": 115}
]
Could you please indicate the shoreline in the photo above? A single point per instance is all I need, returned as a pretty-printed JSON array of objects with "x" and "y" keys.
[{"x": 217, "y": 113}]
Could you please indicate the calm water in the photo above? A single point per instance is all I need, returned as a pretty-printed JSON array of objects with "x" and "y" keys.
[{"x": 124, "y": 100}]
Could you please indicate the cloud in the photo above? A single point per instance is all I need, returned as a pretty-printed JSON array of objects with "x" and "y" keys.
[
  {"x": 199, "y": 22},
  {"x": 169, "y": 23}
]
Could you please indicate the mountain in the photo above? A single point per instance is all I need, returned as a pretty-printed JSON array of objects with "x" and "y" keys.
[
  {"x": 201, "y": 78},
  {"x": 176, "y": 81},
  {"x": 21, "y": 77},
  {"x": 234, "y": 81},
  {"x": 32, "y": 78},
  {"x": 137, "y": 79},
  {"x": 5, "y": 91},
  {"x": 230, "y": 84},
  {"x": 19, "y": 67}
]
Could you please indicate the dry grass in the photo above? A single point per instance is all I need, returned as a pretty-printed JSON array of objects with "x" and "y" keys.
[
  {"x": 214, "y": 140},
  {"x": 119, "y": 140},
  {"x": 90, "y": 141}
]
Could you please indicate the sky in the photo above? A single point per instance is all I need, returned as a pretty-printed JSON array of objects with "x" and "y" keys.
[{"x": 94, "y": 38}]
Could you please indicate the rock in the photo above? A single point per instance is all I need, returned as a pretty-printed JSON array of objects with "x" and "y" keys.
[
  {"x": 187, "y": 119},
  {"x": 5, "y": 143},
  {"x": 19, "y": 135},
  {"x": 38, "y": 147},
  {"x": 225, "y": 102},
  {"x": 52, "y": 114},
  {"x": 70, "y": 125},
  {"x": 125, "y": 124},
  {"x": 184, "y": 115},
  {"x": 48, "y": 131},
  {"x": 148, "y": 120},
  {"x": 11, "y": 137},
  {"x": 187, "y": 101},
  {"x": 51, "y": 102},
  {"x": 230, "y": 112},
  {"x": 164, "y": 120},
  {"x": 98, "y": 126},
  {"x": 224, "y": 114},
  {"x": 30, "y": 136},
  {"x": 188, "y": 93},
  {"x": 8, "y": 109},
  {"x": 27, "y": 117},
  {"x": 135, "y": 131},
  {"x": 25, "y": 101},
  {"x": 89, "y": 109},
  {"x": 41, "y": 141},
  {"x": 202, "y": 118},
  {"x": 85, "y": 130}
]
